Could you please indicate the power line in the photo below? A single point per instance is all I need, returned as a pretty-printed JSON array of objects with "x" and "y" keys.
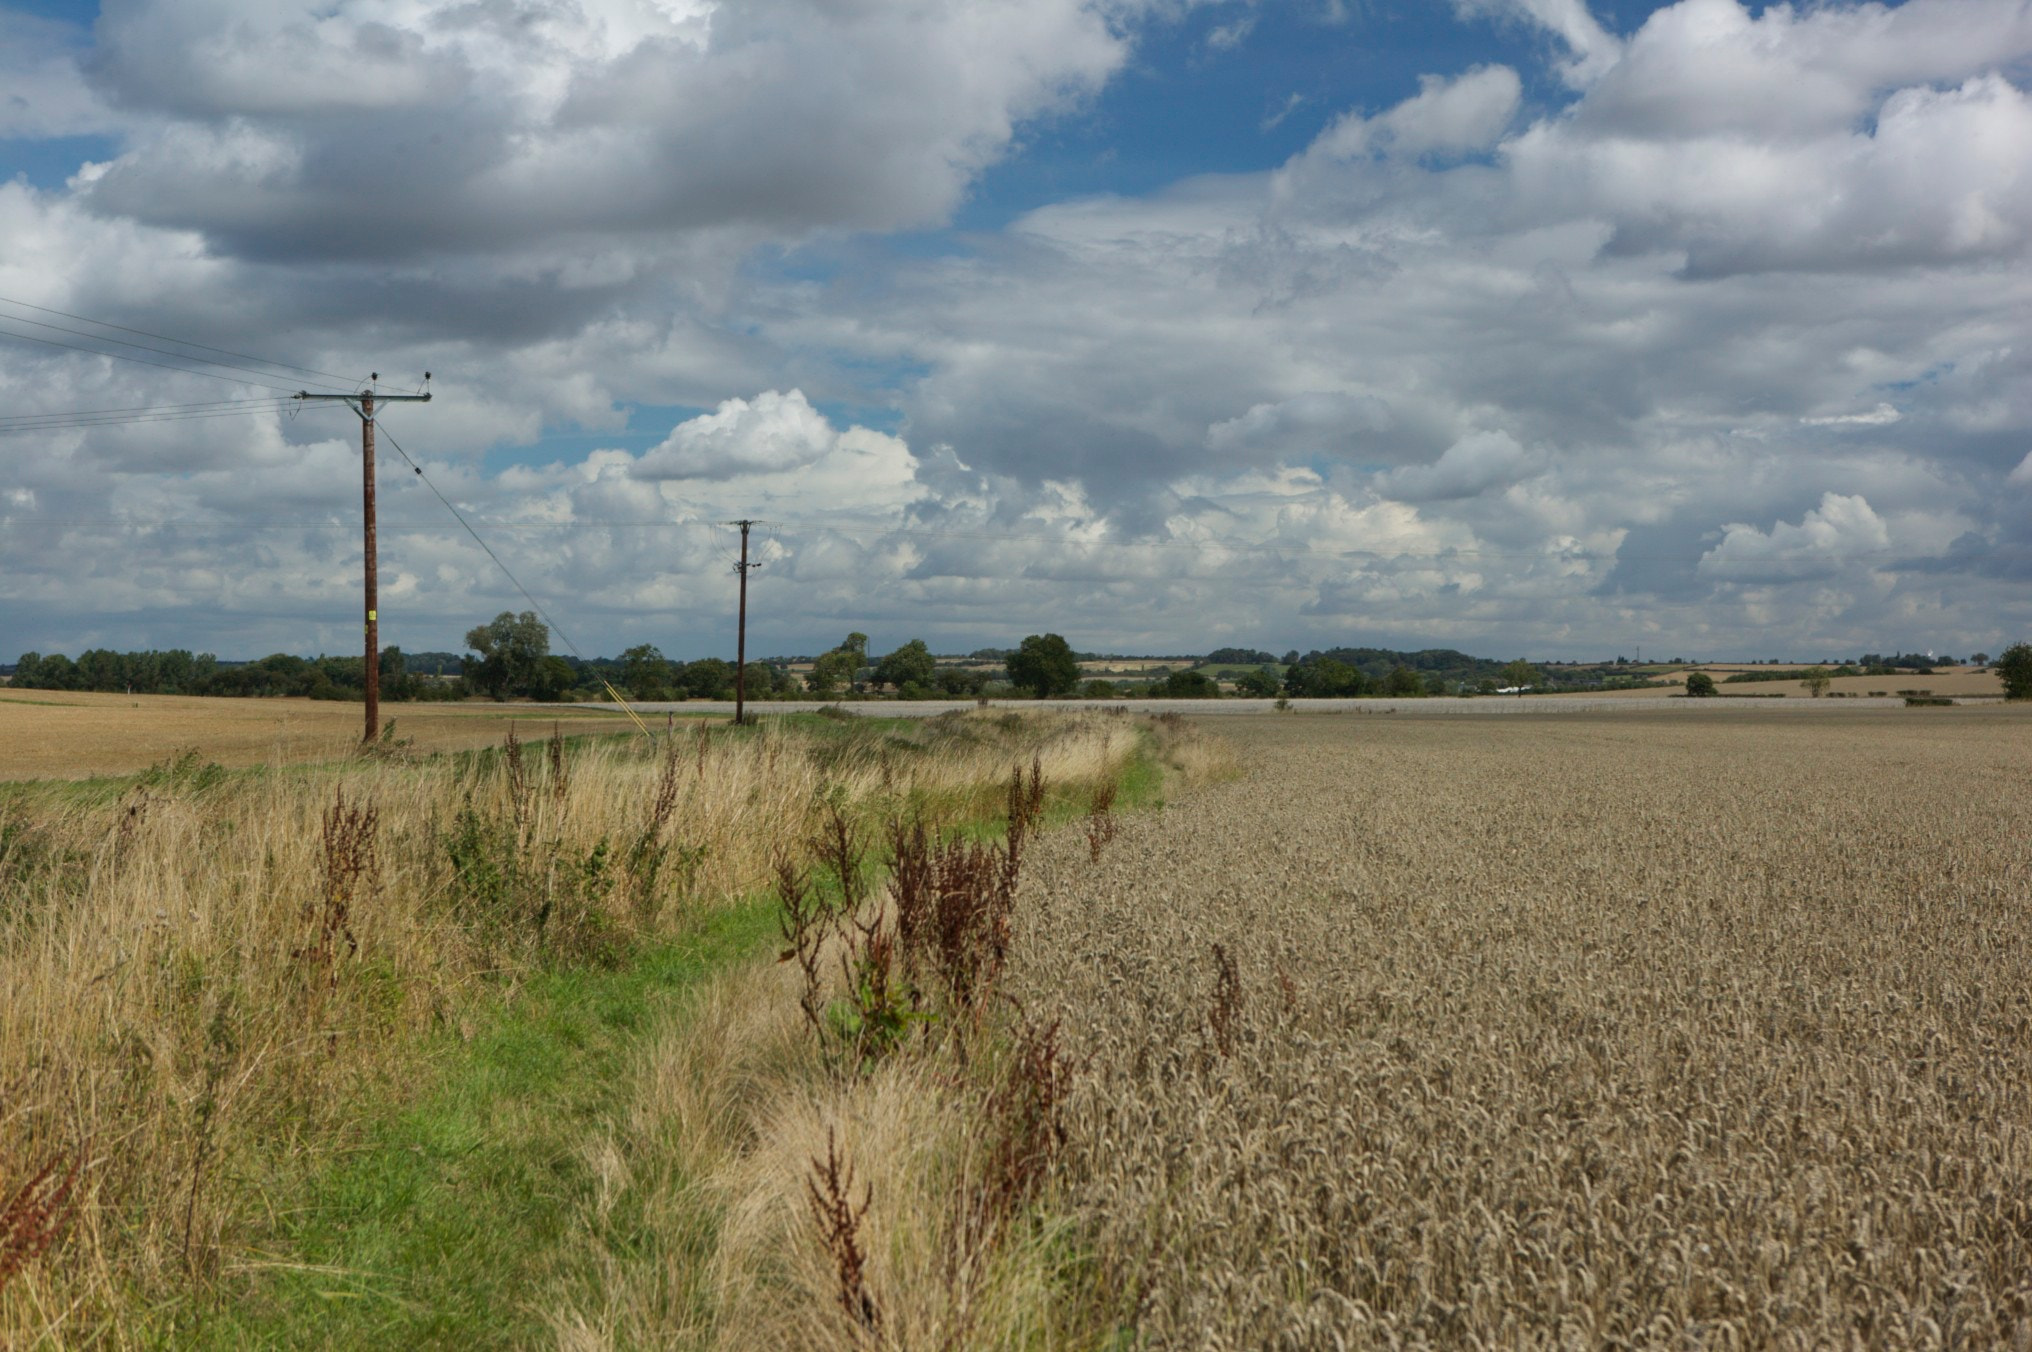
[
  {"x": 128, "y": 420},
  {"x": 137, "y": 408},
  {"x": 142, "y": 361},
  {"x": 185, "y": 342},
  {"x": 534, "y": 604},
  {"x": 144, "y": 347}
]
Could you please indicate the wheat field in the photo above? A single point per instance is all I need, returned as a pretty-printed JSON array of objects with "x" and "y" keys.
[{"x": 1651, "y": 1032}]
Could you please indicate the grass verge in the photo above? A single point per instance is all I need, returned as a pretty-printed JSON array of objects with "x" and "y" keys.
[{"x": 452, "y": 1213}]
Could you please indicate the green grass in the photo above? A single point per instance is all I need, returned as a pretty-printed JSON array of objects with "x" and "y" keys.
[
  {"x": 440, "y": 1228},
  {"x": 459, "y": 1205}
]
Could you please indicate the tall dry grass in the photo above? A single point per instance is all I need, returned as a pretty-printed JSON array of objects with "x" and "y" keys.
[
  {"x": 204, "y": 977},
  {"x": 803, "y": 1194}
]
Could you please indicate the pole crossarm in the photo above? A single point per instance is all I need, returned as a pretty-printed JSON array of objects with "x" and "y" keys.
[{"x": 363, "y": 404}]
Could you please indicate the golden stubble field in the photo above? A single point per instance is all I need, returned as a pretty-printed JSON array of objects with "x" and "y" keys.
[
  {"x": 1648, "y": 1031},
  {"x": 59, "y": 734}
]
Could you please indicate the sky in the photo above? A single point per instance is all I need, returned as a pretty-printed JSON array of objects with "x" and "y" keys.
[{"x": 1527, "y": 327}]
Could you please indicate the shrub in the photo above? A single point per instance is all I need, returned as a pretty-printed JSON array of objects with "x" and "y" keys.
[{"x": 2014, "y": 666}]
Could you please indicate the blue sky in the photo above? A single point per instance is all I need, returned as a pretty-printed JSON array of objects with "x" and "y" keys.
[{"x": 1514, "y": 325}]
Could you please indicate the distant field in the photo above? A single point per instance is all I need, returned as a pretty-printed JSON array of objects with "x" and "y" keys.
[
  {"x": 1962, "y": 682},
  {"x": 57, "y": 734}
]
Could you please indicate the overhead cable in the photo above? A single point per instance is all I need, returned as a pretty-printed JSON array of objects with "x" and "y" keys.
[
  {"x": 534, "y": 604},
  {"x": 184, "y": 342}
]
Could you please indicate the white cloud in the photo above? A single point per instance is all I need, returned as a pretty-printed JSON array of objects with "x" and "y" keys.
[
  {"x": 1883, "y": 415},
  {"x": 774, "y": 433},
  {"x": 1454, "y": 116},
  {"x": 1468, "y": 468},
  {"x": 1841, "y": 530},
  {"x": 1593, "y": 49},
  {"x": 429, "y": 127}
]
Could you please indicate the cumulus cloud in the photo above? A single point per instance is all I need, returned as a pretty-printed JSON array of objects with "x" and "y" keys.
[
  {"x": 1835, "y": 138},
  {"x": 1446, "y": 117},
  {"x": 1828, "y": 538},
  {"x": 1468, "y": 468},
  {"x": 360, "y": 129},
  {"x": 1591, "y": 48},
  {"x": 774, "y": 433}
]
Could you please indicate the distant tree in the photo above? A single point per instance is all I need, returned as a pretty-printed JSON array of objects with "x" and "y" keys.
[
  {"x": 1325, "y": 678},
  {"x": 960, "y": 682},
  {"x": 1403, "y": 683},
  {"x": 510, "y": 649},
  {"x": 646, "y": 672},
  {"x": 1044, "y": 665},
  {"x": 59, "y": 673},
  {"x": 1521, "y": 674},
  {"x": 101, "y": 669},
  {"x": 1187, "y": 685},
  {"x": 1979, "y": 659},
  {"x": 911, "y": 664},
  {"x": 28, "y": 671},
  {"x": 1099, "y": 689},
  {"x": 1699, "y": 685},
  {"x": 707, "y": 678},
  {"x": 839, "y": 666},
  {"x": 2014, "y": 665},
  {"x": 1816, "y": 680},
  {"x": 1486, "y": 686},
  {"x": 1235, "y": 657},
  {"x": 553, "y": 677},
  {"x": 1291, "y": 658},
  {"x": 396, "y": 682},
  {"x": 1262, "y": 683}
]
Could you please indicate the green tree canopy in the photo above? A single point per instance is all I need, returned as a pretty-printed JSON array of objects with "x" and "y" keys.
[
  {"x": 1403, "y": 682},
  {"x": 1261, "y": 683},
  {"x": 1521, "y": 674},
  {"x": 1699, "y": 685},
  {"x": 511, "y": 650},
  {"x": 646, "y": 672},
  {"x": 910, "y": 664},
  {"x": 1325, "y": 678},
  {"x": 1044, "y": 665},
  {"x": 839, "y": 666},
  {"x": 707, "y": 678},
  {"x": 961, "y": 682},
  {"x": 1187, "y": 685},
  {"x": 2014, "y": 665}
]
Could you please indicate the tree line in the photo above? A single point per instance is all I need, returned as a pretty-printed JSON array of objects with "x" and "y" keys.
[
  {"x": 509, "y": 657},
  {"x": 177, "y": 671}
]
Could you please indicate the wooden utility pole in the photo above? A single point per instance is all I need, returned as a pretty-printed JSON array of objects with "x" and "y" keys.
[
  {"x": 741, "y": 629},
  {"x": 363, "y": 404}
]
